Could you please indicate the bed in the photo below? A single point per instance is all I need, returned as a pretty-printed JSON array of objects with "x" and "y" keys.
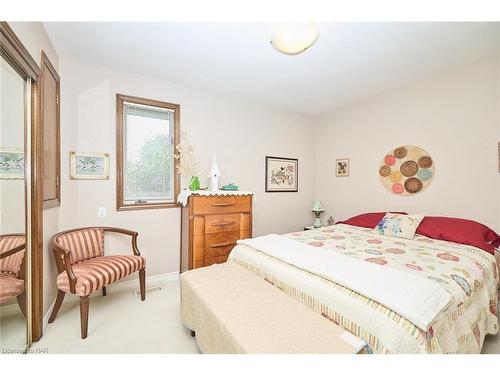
[{"x": 464, "y": 277}]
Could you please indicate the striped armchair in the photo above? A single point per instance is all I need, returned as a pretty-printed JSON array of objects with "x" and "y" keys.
[
  {"x": 83, "y": 268},
  {"x": 12, "y": 250}
]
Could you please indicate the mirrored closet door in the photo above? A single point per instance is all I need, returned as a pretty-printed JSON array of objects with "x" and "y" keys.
[
  {"x": 14, "y": 113},
  {"x": 21, "y": 200}
]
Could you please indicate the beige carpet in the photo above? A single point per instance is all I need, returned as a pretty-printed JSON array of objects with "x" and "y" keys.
[
  {"x": 121, "y": 323},
  {"x": 13, "y": 333}
]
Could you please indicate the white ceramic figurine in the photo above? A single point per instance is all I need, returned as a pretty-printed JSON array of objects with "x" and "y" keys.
[{"x": 214, "y": 176}]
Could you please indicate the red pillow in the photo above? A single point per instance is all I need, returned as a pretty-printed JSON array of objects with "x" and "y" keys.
[
  {"x": 467, "y": 232},
  {"x": 368, "y": 220}
]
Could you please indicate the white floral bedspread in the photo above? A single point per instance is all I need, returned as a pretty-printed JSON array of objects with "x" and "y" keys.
[{"x": 468, "y": 273}]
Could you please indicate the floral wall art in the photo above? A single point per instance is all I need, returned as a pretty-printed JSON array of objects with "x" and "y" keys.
[{"x": 342, "y": 168}]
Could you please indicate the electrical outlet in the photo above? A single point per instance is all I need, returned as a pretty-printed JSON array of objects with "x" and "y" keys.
[{"x": 101, "y": 212}]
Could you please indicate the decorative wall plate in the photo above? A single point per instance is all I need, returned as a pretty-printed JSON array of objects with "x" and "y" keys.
[{"x": 406, "y": 170}]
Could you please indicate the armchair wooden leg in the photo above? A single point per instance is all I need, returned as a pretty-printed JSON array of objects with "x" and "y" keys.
[
  {"x": 21, "y": 301},
  {"x": 84, "y": 315},
  {"x": 142, "y": 283},
  {"x": 57, "y": 305},
  {"x": 104, "y": 291}
]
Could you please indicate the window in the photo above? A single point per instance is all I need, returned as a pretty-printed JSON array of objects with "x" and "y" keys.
[{"x": 147, "y": 134}]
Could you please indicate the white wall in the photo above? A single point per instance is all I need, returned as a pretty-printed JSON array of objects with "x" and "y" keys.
[
  {"x": 240, "y": 133},
  {"x": 454, "y": 116},
  {"x": 35, "y": 39}
]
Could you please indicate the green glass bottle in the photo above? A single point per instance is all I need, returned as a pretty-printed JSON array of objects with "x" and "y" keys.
[{"x": 194, "y": 183}]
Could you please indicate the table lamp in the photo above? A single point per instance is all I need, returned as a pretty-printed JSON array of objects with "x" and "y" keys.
[{"x": 317, "y": 209}]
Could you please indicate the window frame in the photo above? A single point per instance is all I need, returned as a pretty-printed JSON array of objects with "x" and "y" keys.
[{"x": 120, "y": 148}]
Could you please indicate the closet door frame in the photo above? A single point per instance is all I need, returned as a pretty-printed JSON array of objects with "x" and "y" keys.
[{"x": 18, "y": 56}]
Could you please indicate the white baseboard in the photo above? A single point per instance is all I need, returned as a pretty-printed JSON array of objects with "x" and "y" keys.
[{"x": 152, "y": 282}]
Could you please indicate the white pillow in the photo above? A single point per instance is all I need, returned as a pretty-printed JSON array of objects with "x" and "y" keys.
[{"x": 396, "y": 225}]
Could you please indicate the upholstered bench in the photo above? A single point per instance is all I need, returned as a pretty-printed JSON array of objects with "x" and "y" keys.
[{"x": 231, "y": 310}]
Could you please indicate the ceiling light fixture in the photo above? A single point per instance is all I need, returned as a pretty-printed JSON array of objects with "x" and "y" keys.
[{"x": 294, "y": 38}]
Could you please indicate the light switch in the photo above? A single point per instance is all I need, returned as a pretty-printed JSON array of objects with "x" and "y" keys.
[{"x": 101, "y": 212}]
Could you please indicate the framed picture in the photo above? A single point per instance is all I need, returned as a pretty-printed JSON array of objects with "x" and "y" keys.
[
  {"x": 89, "y": 166},
  {"x": 11, "y": 164},
  {"x": 282, "y": 174},
  {"x": 342, "y": 167}
]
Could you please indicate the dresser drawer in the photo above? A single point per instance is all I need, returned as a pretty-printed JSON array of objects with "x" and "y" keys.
[
  {"x": 220, "y": 244},
  {"x": 215, "y": 260},
  {"x": 222, "y": 223},
  {"x": 221, "y": 204}
]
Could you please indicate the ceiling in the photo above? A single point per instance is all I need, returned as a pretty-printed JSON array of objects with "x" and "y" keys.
[{"x": 350, "y": 61}]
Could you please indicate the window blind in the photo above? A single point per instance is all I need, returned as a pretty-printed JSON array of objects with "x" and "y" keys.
[{"x": 150, "y": 112}]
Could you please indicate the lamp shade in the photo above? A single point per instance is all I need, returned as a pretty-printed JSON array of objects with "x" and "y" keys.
[
  {"x": 317, "y": 206},
  {"x": 294, "y": 38}
]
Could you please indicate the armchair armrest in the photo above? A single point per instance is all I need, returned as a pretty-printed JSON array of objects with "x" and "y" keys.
[
  {"x": 10, "y": 252},
  {"x": 131, "y": 233},
  {"x": 63, "y": 263}
]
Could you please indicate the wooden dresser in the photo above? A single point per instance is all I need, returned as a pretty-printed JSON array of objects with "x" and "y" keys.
[{"x": 211, "y": 225}]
